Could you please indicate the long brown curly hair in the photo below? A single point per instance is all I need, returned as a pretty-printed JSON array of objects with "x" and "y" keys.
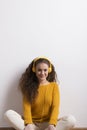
[{"x": 29, "y": 82}]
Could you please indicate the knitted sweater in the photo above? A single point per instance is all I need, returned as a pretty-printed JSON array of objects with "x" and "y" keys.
[{"x": 46, "y": 106}]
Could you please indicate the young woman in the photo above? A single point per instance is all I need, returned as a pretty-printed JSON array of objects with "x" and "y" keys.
[{"x": 41, "y": 99}]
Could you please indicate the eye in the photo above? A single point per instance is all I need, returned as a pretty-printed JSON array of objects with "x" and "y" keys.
[
  {"x": 39, "y": 70},
  {"x": 45, "y": 70}
]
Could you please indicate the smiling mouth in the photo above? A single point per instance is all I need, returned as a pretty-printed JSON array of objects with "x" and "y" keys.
[{"x": 41, "y": 76}]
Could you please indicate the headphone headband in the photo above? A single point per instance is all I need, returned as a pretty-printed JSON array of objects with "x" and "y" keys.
[{"x": 36, "y": 59}]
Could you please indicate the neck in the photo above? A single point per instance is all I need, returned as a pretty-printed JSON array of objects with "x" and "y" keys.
[{"x": 44, "y": 82}]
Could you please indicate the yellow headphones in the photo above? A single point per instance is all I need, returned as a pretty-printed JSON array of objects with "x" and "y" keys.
[{"x": 50, "y": 67}]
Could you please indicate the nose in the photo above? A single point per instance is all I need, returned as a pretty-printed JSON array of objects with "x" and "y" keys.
[{"x": 42, "y": 72}]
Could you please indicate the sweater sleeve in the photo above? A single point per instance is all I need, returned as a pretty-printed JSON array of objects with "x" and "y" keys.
[
  {"x": 27, "y": 111},
  {"x": 55, "y": 105}
]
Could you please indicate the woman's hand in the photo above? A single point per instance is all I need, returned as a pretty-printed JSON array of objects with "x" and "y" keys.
[
  {"x": 51, "y": 127},
  {"x": 29, "y": 127}
]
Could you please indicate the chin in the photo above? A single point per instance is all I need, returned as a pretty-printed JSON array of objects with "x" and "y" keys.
[{"x": 42, "y": 79}]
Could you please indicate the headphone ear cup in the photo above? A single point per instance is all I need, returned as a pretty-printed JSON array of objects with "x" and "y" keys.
[
  {"x": 33, "y": 69},
  {"x": 50, "y": 69}
]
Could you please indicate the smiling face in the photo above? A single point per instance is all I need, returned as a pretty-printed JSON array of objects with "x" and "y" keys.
[{"x": 42, "y": 72}]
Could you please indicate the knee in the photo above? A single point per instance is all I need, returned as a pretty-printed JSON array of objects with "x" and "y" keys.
[
  {"x": 8, "y": 113},
  {"x": 71, "y": 121}
]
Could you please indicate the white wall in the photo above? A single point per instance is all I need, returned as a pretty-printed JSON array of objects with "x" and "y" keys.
[{"x": 56, "y": 29}]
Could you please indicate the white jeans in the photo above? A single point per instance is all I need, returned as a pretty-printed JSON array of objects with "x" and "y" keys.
[{"x": 17, "y": 122}]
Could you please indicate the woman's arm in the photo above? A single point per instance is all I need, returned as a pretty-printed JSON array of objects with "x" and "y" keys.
[
  {"x": 27, "y": 111},
  {"x": 55, "y": 105}
]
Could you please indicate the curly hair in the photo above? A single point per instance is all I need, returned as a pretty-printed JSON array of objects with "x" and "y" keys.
[{"x": 29, "y": 82}]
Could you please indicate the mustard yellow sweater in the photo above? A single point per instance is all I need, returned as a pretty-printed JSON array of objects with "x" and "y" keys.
[{"x": 46, "y": 106}]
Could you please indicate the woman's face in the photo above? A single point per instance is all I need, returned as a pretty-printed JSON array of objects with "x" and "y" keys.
[{"x": 42, "y": 71}]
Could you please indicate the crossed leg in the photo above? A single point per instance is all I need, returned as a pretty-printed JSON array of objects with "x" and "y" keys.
[{"x": 17, "y": 122}]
